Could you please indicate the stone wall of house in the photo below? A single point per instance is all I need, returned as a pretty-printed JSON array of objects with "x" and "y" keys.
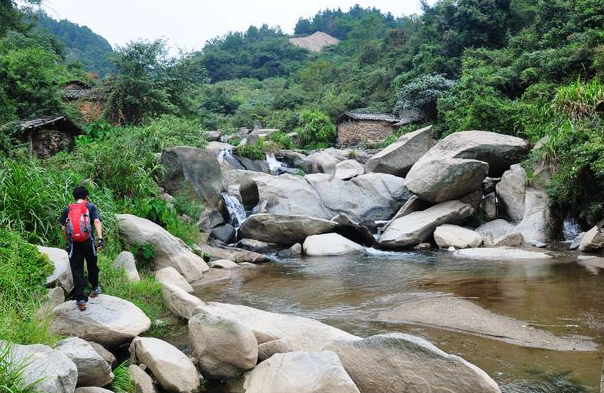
[
  {"x": 47, "y": 142},
  {"x": 363, "y": 131}
]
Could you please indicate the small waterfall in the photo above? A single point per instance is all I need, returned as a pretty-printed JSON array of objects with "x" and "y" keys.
[
  {"x": 276, "y": 167},
  {"x": 225, "y": 154},
  {"x": 570, "y": 229},
  {"x": 236, "y": 211}
]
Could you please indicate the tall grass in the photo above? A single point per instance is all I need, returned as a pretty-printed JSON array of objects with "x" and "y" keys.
[
  {"x": 122, "y": 381},
  {"x": 12, "y": 372},
  {"x": 580, "y": 100}
]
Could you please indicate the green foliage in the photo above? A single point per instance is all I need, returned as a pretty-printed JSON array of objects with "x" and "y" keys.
[
  {"x": 422, "y": 93},
  {"x": 122, "y": 381},
  {"x": 256, "y": 151},
  {"x": 144, "y": 254},
  {"x": 12, "y": 372},
  {"x": 580, "y": 100},
  {"x": 315, "y": 130},
  {"x": 283, "y": 140},
  {"x": 150, "y": 83},
  {"x": 22, "y": 286}
]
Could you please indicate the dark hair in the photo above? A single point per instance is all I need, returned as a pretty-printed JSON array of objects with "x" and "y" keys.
[{"x": 80, "y": 193}]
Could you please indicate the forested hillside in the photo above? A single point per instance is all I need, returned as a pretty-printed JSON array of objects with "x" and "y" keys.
[{"x": 81, "y": 44}]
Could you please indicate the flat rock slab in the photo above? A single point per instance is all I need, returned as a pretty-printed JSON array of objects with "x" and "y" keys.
[
  {"x": 463, "y": 316},
  {"x": 499, "y": 254},
  {"x": 108, "y": 320},
  {"x": 285, "y": 230},
  {"x": 236, "y": 255}
]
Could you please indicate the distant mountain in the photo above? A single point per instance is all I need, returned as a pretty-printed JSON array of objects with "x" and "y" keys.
[{"x": 81, "y": 43}]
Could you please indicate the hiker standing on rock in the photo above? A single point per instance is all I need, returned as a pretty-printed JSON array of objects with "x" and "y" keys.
[{"x": 76, "y": 223}]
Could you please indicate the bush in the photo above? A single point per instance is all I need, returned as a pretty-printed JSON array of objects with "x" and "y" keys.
[
  {"x": 283, "y": 140},
  {"x": 23, "y": 272},
  {"x": 422, "y": 93},
  {"x": 580, "y": 100},
  {"x": 315, "y": 130}
]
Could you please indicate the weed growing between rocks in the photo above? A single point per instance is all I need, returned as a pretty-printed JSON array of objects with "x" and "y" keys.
[
  {"x": 11, "y": 373},
  {"x": 122, "y": 381}
]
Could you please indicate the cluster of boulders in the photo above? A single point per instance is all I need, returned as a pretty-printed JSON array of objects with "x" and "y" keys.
[{"x": 415, "y": 193}]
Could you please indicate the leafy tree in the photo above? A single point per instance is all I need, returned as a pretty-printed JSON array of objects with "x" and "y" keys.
[{"x": 422, "y": 94}]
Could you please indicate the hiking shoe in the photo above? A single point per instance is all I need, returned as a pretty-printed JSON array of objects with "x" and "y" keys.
[
  {"x": 81, "y": 305},
  {"x": 95, "y": 292}
]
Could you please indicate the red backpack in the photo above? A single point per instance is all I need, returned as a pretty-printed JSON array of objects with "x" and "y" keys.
[{"x": 78, "y": 222}]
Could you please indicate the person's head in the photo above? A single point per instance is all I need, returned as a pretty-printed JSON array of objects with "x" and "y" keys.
[{"x": 80, "y": 193}]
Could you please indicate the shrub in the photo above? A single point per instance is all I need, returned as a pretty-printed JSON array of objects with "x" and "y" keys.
[
  {"x": 315, "y": 130},
  {"x": 580, "y": 100},
  {"x": 422, "y": 93},
  {"x": 283, "y": 140}
]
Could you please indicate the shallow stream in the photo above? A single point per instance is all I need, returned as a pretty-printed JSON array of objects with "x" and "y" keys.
[{"x": 349, "y": 292}]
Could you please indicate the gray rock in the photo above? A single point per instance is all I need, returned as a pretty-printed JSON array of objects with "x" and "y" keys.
[
  {"x": 321, "y": 162},
  {"x": 173, "y": 369},
  {"x": 511, "y": 190},
  {"x": 423, "y": 247},
  {"x": 577, "y": 242},
  {"x": 210, "y": 219},
  {"x": 93, "y": 370},
  {"x": 593, "y": 240},
  {"x": 212, "y": 136},
  {"x": 225, "y": 233},
  {"x": 224, "y": 347},
  {"x": 398, "y": 158},
  {"x": 455, "y": 236},
  {"x": 348, "y": 169},
  {"x": 498, "y": 150},
  {"x": 514, "y": 239},
  {"x": 92, "y": 389},
  {"x": 237, "y": 255},
  {"x": 499, "y": 254},
  {"x": 536, "y": 224},
  {"x": 495, "y": 228},
  {"x": 253, "y": 165},
  {"x": 593, "y": 264},
  {"x": 488, "y": 206},
  {"x": 55, "y": 297},
  {"x": 142, "y": 381},
  {"x": 396, "y": 362},
  {"x": 180, "y": 302},
  {"x": 292, "y": 252},
  {"x": 223, "y": 264},
  {"x": 54, "y": 372},
  {"x": 170, "y": 251},
  {"x": 299, "y": 372},
  {"x": 125, "y": 260},
  {"x": 412, "y": 205},
  {"x": 374, "y": 196},
  {"x": 108, "y": 320},
  {"x": 282, "y": 229},
  {"x": 330, "y": 244},
  {"x": 104, "y": 353},
  {"x": 61, "y": 276},
  {"x": 417, "y": 227},
  {"x": 169, "y": 275},
  {"x": 257, "y": 246},
  {"x": 445, "y": 179},
  {"x": 353, "y": 231},
  {"x": 196, "y": 167}
]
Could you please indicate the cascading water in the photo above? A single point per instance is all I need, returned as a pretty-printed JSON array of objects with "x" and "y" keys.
[
  {"x": 570, "y": 229},
  {"x": 276, "y": 167},
  {"x": 224, "y": 155},
  {"x": 236, "y": 211}
]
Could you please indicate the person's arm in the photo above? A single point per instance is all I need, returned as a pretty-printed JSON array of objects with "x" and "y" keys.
[
  {"x": 64, "y": 230},
  {"x": 63, "y": 221},
  {"x": 98, "y": 226}
]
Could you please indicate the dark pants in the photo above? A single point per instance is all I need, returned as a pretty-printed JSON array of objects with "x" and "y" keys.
[{"x": 79, "y": 252}]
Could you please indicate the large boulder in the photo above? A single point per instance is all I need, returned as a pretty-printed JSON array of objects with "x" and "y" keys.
[
  {"x": 237, "y": 255},
  {"x": 52, "y": 370},
  {"x": 298, "y": 372},
  {"x": 321, "y": 162},
  {"x": 54, "y": 297},
  {"x": 61, "y": 276},
  {"x": 536, "y": 224},
  {"x": 446, "y": 179},
  {"x": 395, "y": 363},
  {"x": 224, "y": 347},
  {"x": 93, "y": 370},
  {"x": 143, "y": 383},
  {"x": 103, "y": 352},
  {"x": 196, "y": 167},
  {"x": 455, "y": 236},
  {"x": 348, "y": 169},
  {"x": 417, "y": 227},
  {"x": 593, "y": 240},
  {"x": 180, "y": 302},
  {"x": 498, "y": 150},
  {"x": 370, "y": 197},
  {"x": 170, "y": 251},
  {"x": 398, "y": 158},
  {"x": 277, "y": 333},
  {"x": 173, "y": 369},
  {"x": 330, "y": 244},
  {"x": 510, "y": 191},
  {"x": 125, "y": 260},
  {"x": 283, "y": 229},
  {"x": 169, "y": 275},
  {"x": 285, "y": 194},
  {"x": 353, "y": 231},
  {"x": 92, "y": 389},
  {"x": 108, "y": 320},
  {"x": 495, "y": 228}
]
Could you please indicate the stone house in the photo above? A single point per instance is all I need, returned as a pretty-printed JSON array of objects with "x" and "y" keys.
[
  {"x": 368, "y": 128},
  {"x": 89, "y": 101},
  {"x": 49, "y": 135}
]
